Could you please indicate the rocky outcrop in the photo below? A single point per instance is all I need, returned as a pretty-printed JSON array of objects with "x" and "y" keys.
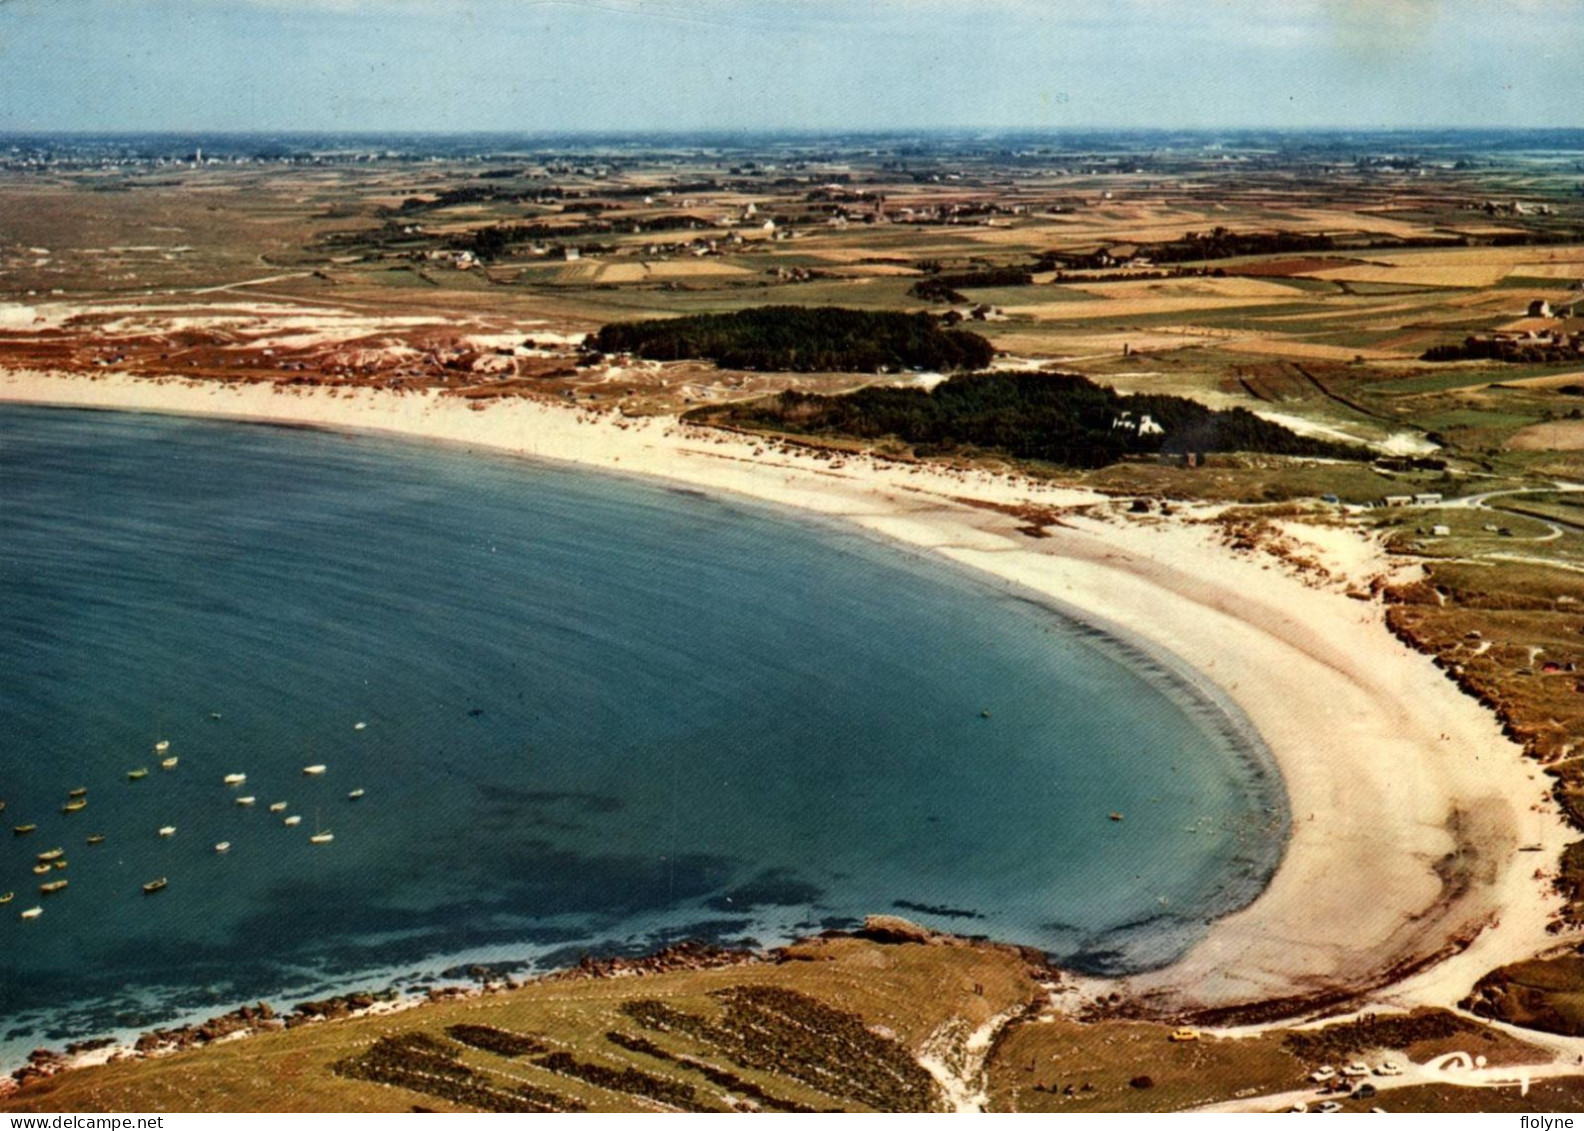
[
  {"x": 894, "y": 929},
  {"x": 682, "y": 956},
  {"x": 248, "y": 1019}
]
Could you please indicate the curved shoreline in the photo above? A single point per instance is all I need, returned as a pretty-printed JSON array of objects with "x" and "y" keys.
[
  {"x": 1390, "y": 771},
  {"x": 1213, "y": 709}
]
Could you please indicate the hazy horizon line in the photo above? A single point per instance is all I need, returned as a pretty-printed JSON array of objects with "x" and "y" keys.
[{"x": 787, "y": 131}]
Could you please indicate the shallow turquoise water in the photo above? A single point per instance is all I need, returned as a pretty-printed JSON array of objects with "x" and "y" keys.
[{"x": 601, "y": 715}]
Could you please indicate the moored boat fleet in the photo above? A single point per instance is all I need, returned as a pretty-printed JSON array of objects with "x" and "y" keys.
[{"x": 54, "y": 859}]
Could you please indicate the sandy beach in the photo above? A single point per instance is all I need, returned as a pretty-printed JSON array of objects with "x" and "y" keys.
[{"x": 1408, "y": 805}]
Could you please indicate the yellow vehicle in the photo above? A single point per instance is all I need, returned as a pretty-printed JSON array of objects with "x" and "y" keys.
[{"x": 1183, "y": 1035}]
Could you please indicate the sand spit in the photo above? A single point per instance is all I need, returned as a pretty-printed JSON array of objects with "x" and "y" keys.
[{"x": 1402, "y": 881}]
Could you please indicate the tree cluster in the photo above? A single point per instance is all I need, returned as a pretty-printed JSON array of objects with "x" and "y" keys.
[
  {"x": 1219, "y": 243},
  {"x": 1056, "y": 418},
  {"x": 943, "y": 287},
  {"x": 474, "y": 194},
  {"x": 1526, "y": 351},
  {"x": 801, "y": 339}
]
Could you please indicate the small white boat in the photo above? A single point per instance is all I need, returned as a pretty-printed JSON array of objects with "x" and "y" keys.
[
  {"x": 360, "y": 726},
  {"x": 167, "y": 830},
  {"x": 169, "y": 763},
  {"x": 161, "y": 746},
  {"x": 292, "y": 822},
  {"x": 321, "y": 838},
  {"x": 355, "y": 794},
  {"x": 32, "y": 913},
  {"x": 223, "y": 846},
  {"x": 277, "y": 806},
  {"x": 246, "y": 800},
  {"x": 314, "y": 770},
  {"x": 235, "y": 779}
]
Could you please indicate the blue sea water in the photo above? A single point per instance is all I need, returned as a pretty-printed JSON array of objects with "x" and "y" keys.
[{"x": 601, "y": 715}]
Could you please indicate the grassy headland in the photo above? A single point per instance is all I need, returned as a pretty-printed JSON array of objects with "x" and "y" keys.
[{"x": 900, "y": 1020}]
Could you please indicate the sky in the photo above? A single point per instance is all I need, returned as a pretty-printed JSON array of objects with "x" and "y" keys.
[{"x": 538, "y": 66}]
